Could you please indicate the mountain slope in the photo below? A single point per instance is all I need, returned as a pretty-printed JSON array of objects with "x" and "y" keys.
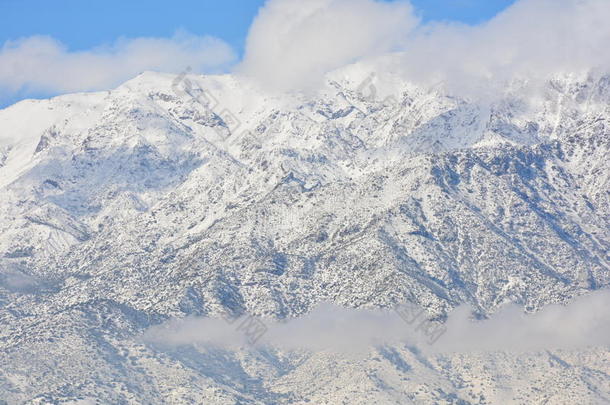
[{"x": 166, "y": 198}]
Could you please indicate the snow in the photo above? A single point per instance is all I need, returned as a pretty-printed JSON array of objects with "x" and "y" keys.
[{"x": 143, "y": 204}]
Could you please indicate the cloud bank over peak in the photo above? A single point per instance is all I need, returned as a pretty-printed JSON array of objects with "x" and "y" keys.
[
  {"x": 293, "y": 44},
  {"x": 531, "y": 40}
]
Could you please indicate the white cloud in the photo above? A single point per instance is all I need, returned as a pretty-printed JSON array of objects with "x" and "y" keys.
[
  {"x": 43, "y": 64},
  {"x": 293, "y": 43},
  {"x": 532, "y": 39},
  {"x": 584, "y": 322}
]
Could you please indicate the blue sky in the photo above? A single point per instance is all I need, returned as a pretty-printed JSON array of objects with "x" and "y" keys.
[{"x": 84, "y": 25}]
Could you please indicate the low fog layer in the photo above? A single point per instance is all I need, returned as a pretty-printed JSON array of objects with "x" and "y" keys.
[{"x": 583, "y": 323}]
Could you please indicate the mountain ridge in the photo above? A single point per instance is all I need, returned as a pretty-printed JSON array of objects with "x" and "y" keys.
[{"x": 165, "y": 199}]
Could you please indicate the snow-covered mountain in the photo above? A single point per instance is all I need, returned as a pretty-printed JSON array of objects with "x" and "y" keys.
[{"x": 173, "y": 196}]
